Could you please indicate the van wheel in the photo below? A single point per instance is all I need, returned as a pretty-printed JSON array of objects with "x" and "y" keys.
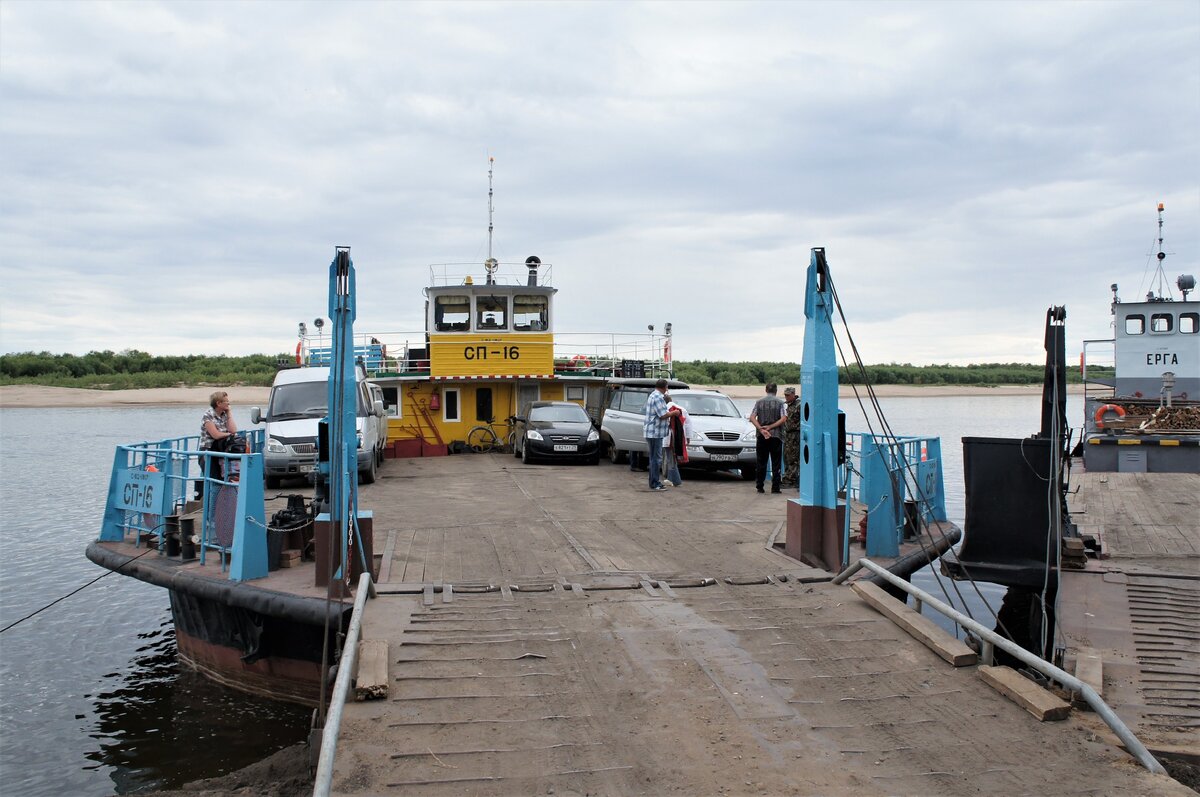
[
  {"x": 367, "y": 476},
  {"x": 615, "y": 455}
]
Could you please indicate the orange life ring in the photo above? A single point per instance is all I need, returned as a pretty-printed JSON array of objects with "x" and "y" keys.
[
  {"x": 1104, "y": 409},
  {"x": 299, "y": 348},
  {"x": 580, "y": 362}
]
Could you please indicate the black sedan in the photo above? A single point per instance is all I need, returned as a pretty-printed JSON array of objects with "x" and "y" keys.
[{"x": 556, "y": 430}]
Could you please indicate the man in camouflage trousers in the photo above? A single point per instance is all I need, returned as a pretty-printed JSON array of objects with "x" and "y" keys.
[{"x": 791, "y": 440}]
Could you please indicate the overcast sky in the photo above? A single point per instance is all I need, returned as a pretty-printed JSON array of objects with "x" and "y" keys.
[{"x": 175, "y": 175}]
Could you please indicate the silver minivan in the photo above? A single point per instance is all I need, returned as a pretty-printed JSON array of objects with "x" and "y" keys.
[{"x": 299, "y": 398}]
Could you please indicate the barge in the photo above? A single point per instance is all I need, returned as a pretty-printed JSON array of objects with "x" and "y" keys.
[{"x": 1100, "y": 541}]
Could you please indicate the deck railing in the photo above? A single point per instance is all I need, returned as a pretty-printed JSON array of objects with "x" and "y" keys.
[{"x": 152, "y": 482}]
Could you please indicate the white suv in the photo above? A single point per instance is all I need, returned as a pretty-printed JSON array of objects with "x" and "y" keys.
[{"x": 721, "y": 437}]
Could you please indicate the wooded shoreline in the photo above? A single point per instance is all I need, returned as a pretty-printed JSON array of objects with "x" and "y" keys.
[{"x": 14, "y": 396}]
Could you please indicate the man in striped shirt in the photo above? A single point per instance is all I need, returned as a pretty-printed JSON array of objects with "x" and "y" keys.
[{"x": 654, "y": 428}]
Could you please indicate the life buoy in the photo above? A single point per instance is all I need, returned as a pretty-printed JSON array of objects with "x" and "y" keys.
[
  {"x": 299, "y": 348},
  {"x": 580, "y": 362},
  {"x": 1104, "y": 409}
]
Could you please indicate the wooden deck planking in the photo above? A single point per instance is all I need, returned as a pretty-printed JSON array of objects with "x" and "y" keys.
[{"x": 1139, "y": 609}]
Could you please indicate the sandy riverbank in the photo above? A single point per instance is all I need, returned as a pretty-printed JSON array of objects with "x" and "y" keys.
[{"x": 40, "y": 396}]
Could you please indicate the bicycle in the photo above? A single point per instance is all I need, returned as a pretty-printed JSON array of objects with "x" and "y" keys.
[{"x": 483, "y": 439}]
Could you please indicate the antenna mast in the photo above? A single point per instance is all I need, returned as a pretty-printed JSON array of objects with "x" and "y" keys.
[
  {"x": 1160, "y": 275},
  {"x": 490, "y": 264}
]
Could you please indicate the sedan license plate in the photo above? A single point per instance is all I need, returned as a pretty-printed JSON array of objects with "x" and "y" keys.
[
  {"x": 723, "y": 457},
  {"x": 566, "y": 448}
]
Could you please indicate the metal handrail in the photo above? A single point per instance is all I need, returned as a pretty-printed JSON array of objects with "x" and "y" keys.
[
  {"x": 341, "y": 689},
  {"x": 1097, "y": 704}
]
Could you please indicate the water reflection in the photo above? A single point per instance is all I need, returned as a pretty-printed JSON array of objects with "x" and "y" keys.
[{"x": 160, "y": 725}]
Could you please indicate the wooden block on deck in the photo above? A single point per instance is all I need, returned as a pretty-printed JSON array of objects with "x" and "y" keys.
[
  {"x": 1089, "y": 668},
  {"x": 371, "y": 682},
  {"x": 289, "y": 558},
  {"x": 1025, "y": 693},
  {"x": 922, "y": 628}
]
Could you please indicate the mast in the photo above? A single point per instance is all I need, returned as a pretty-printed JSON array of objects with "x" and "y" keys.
[
  {"x": 1160, "y": 276},
  {"x": 490, "y": 264}
]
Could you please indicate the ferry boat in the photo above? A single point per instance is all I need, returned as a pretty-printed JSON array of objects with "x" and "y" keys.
[{"x": 1146, "y": 418}]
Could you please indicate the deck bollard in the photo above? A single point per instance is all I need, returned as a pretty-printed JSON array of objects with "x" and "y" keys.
[
  {"x": 187, "y": 530},
  {"x": 171, "y": 535}
]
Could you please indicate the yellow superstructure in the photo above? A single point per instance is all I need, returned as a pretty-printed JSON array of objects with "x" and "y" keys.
[{"x": 488, "y": 350}]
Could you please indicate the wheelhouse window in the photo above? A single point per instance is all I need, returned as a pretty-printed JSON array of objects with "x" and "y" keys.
[
  {"x": 451, "y": 313},
  {"x": 531, "y": 313},
  {"x": 1135, "y": 324},
  {"x": 1161, "y": 322},
  {"x": 491, "y": 312},
  {"x": 1189, "y": 323}
]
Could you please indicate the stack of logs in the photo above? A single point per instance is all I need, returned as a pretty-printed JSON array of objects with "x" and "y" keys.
[{"x": 1172, "y": 419}]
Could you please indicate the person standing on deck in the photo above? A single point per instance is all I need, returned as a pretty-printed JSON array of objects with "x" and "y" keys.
[
  {"x": 675, "y": 443},
  {"x": 791, "y": 439},
  {"x": 767, "y": 417},
  {"x": 216, "y": 431},
  {"x": 654, "y": 428}
]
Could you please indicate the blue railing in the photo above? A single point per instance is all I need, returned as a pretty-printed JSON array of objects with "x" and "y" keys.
[
  {"x": 371, "y": 355},
  {"x": 892, "y": 471},
  {"x": 151, "y": 481}
]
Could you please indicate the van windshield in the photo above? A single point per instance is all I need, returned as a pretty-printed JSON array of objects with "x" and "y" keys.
[{"x": 303, "y": 400}]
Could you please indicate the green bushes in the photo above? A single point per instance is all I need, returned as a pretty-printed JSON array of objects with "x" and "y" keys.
[
  {"x": 704, "y": 372},
  {"x": 135, "y": 369}
]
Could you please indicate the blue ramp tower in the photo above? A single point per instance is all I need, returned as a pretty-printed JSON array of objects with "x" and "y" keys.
[
  {"x": 343, "y": 533},
  {"x": 815, "y": 521}
]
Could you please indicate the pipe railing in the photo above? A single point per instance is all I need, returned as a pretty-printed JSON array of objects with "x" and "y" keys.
[
  {"x": 341, "y": 689},
  {"x": 992, "y": 640}
]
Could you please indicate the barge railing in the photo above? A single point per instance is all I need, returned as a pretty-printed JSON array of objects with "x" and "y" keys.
[
  {"x": 992, "y": 640},
  {"x": 341, "y": 689},
  {"x": 896, "y": 476},
  {"x": 151, "y": 483},
  {"x": 583, "y": 354}
]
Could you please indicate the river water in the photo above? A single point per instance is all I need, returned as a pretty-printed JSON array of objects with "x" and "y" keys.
[{"x": 92, "y": 699}]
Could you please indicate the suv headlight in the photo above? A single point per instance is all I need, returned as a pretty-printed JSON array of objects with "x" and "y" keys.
[
  {"x": 593, "y": 436},
  {"x": 533, "y": 434},
  {"x": 275, "y": 447}
]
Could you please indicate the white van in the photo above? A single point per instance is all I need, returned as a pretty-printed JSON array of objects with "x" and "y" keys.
[{"x": 299, "y": 398}]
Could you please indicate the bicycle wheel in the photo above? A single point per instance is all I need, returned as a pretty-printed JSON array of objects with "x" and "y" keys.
[{"x": 482, "y": 439}]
